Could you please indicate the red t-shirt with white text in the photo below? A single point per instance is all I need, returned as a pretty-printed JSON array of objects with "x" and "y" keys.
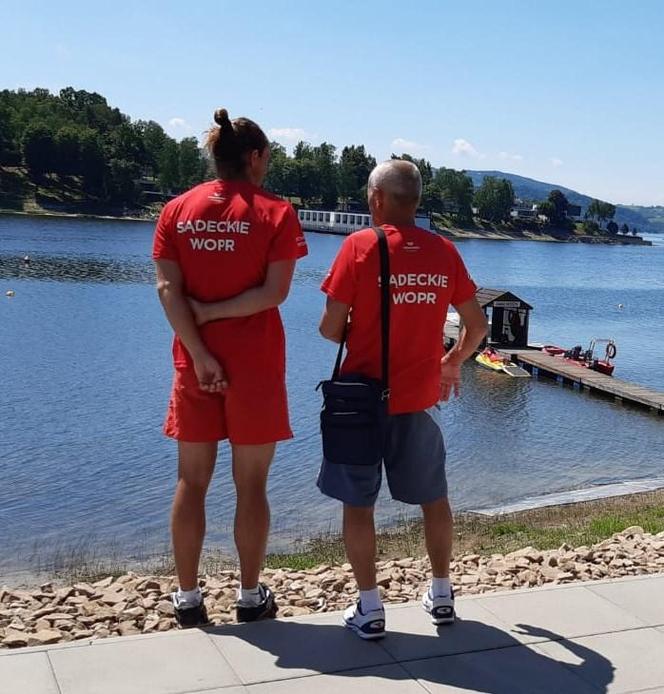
[
  {"x": 427, "y": 274},
  {"x": 223, "y": 235}
]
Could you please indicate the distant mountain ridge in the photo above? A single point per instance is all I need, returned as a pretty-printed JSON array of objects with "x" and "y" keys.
[{"x": 648, "y": 219}]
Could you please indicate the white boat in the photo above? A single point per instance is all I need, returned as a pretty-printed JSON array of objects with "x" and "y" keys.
[{"x": 344, "y": 223}]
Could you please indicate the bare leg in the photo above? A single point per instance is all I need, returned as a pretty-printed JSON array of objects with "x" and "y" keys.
[
  {"x": 251, "y": 465},
  {"x": 360, "y": 541},
  {"x": 195, "y": 467},
  {"x": 439, "y": 535}
]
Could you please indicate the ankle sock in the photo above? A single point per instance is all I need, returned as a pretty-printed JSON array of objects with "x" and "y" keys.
[
  {"x": 250, "y": 596},
  {"x": 370, "y": 600},
  {"x": 189, "y": 597},
  {"x": 440, "y": 587}
]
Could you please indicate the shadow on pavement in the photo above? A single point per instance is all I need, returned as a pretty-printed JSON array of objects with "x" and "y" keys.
[{"x": 468, "y": 655}]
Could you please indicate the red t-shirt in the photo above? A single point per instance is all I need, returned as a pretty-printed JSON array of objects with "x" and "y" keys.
[
  {"x": 223, "y": 235},
  {"x": 427, "y": 274}
]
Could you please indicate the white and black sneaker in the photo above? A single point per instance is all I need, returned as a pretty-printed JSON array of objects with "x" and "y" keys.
[
  {"x": 367, "y": 626},
  {"x": 189, "y": 615},
  {"x": 265, "y": 609},
  {"x": 440, "y": 609}
]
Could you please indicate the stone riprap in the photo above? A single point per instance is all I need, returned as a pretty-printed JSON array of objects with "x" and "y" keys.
[{"x": 133, "y": 604}]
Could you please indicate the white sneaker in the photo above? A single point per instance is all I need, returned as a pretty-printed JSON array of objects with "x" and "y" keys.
[
  {"x": 367, "y": 626},
  {"x": 440, "y": 609}
]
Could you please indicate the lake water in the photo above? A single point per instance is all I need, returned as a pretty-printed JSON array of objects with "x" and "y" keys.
[{"x": 85, "y": 376}]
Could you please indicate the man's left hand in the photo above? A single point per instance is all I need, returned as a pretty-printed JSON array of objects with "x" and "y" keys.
[{"x": 450, "y": 377}]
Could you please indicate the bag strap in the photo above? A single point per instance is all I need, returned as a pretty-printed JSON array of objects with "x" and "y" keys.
[
  {"x": 384, "y": 309},
  {"x": 384, "y": 316}
]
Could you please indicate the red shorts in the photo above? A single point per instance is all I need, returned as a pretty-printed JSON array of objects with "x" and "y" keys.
[{"x": 247, "y": 413}]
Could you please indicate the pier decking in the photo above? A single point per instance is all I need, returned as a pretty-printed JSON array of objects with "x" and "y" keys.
[
  {"x": 591, "y": 381},
  {"x": 540, "y": 364}
]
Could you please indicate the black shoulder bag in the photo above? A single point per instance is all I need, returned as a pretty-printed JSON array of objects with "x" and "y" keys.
[{"x": 355, "y": 407}]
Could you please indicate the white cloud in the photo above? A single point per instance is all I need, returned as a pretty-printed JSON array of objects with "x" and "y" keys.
[
  {"x": 290, "y": 136},
  {"x": 179, "y": 127},
  {"x": 464, "y": 148},
  {"x": 510, "y": 156},
  {"x": 407, "y": 146},
  {"x": 555, "y": 162}
]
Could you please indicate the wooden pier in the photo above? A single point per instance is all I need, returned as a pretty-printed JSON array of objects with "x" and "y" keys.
[
  {"x": 539, "y": 363},
  {"x": 508, "y": 334}
]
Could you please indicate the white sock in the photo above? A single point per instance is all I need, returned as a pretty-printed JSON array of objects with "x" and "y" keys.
[
  {"x": 250, "y": 596},
  {"x": 440, "y": 587},
  {"x": 370, "y": 600},
  {"x": 191, "y": 597}
]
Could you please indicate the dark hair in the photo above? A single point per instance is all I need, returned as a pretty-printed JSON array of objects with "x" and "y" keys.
[{"x": 231, "y": 141}]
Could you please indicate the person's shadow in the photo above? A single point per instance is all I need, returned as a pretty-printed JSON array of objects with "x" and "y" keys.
[{"x": 468, "y": 655}]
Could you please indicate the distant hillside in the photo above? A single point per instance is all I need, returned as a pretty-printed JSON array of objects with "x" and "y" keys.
[
  {"x": 654, "y": 215},
  {"x": 648, "y": 219}
]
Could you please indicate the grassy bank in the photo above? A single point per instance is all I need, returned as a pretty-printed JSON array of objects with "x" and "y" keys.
[
  {"x": 577, "y": 524},
  {"x": 583, "y": 523},
  {"x": 520, "y": 230}
]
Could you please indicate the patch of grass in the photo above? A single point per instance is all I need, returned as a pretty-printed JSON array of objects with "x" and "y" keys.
[
  {"x": 579, "y": 524},
  {"x": 507, "y": 528}
]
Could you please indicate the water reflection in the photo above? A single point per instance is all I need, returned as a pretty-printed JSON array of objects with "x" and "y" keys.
[{"x": 77, "y": 269}]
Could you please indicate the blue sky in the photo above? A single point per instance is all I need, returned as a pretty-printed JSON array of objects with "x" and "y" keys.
[{"x": 570, "y": 92}]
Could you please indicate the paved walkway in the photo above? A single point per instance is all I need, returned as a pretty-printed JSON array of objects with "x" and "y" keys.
[{"x": 592, "y": 637}]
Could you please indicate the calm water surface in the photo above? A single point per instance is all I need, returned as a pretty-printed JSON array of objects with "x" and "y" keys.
[{"x": 85, "y": 375}]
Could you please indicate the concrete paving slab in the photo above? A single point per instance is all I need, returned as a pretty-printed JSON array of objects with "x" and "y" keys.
[
  {"x": 635, "y": 658},
  {"x": 412, "y": 636},
  {"x": 224, "y": 690},
  {"x": 556, "y": 614},
  {"x": 182, "y": 662},
  {"x": 388, "y": 679},
  {"x": 288, "y": 648},
  {"x": 31, "y": 672},
  {"x": 515, "y": 670},
  {"x": 644, "y": 599}
]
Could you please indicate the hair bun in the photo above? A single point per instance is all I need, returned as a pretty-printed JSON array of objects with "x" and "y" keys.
[{"x": 221, "y": 117}]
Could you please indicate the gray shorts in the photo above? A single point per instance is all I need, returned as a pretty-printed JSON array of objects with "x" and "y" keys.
[{"x": 414, "y": 465}]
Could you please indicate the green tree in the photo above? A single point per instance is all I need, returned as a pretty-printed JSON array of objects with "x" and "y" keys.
[
  {"x": 355, "y": 165},
  {"x": 624, "y": 229},
  {"x": 548, "y": 209},
  {"x": 68, "y": 150},
  {"x": 600, "y": 210},
  {"x": 635, "y": 231},
  {"x": 456, "y": 192},
  {"x": 324, "y": 158},
  {"x": 154, "y": 139},
  {"x": 122, "y": 188},
  {"x": 169, "y": 167},
  {"x": 590, "y": 228},
  {"x": 189, "y": 163},
  {"x": 279, "y": 173},
  {"x": 495, "y": 198},
  {"x": 612, "y": 228},
  {"x": 10, "y": 151},
  {"x": 560, "y": 204},
  {"x": 39, "y": 149},
  {"x": 92, "y": 162}
]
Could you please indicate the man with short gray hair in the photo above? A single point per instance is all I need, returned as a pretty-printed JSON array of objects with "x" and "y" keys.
[{"x": 427, "y": 274}]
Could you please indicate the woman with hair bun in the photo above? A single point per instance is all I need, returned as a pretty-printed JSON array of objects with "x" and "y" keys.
[{"x": 225, "y": 253}]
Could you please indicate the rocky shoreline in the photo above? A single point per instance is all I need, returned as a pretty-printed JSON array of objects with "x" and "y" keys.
[{"x": 132, "y": 604}]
